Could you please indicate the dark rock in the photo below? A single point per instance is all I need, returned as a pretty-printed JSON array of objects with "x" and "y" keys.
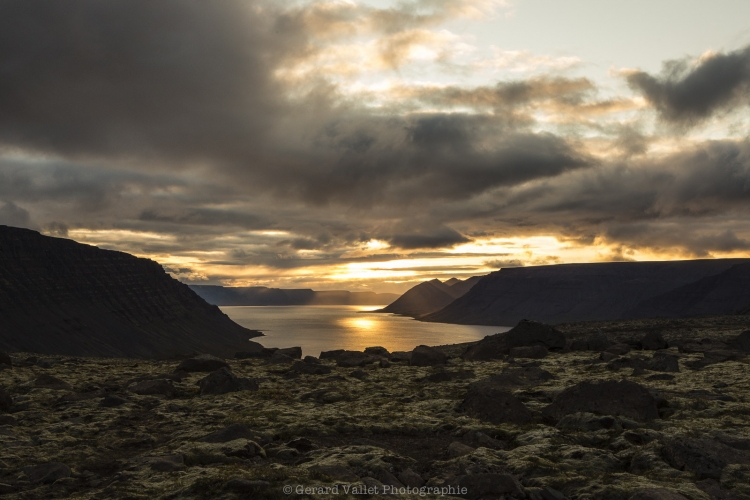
[
  {"x": 359, "y": 374},
  {"x": 3, "y": 366},
  {"x": 446, "y": 376},
  {"x": 387, "y": 478},
  {"x": 5, "y": 359},
  {"x": 660, "y": 376},
  {"x": 292, "y": 352},
  {"x": 411, "y": 479},
  {"x": 714, "y": 490},
  {"x": 307, "y": 368},
  {"x": 587, "y": 422},
  {"x": 112, "y": 401},
  {"x": 303, "y": 445},
  {"x": 532, "y": 352},
  {"x": 311, "y": 360},
  {"x": 246, "y": 485},
  {"x": 279, "y": 358},
  {"x": 491, "y": 402},
  {"x": 47, "y": 473},
  {"x": 49, "y": 382},
  {"x": 353, "y": 359},
  {"x": 623, "y": 398},
  {"x": 6, "y": 419},
  {"x": 331, "y": 354},
  {"x": 663, "y": 362},
  {"x": 552, "y": 494},
  {"x": 6, "y": 401},
  {"x": 705, "y": 458},
  {"x": 607, "y": 356},
  {"x": 377, "y": 351},
  {"x": 259, "y": 353},
  {"x": 373, "y": 485},
  {"x": 154, "y": 387},
  {"x": 740, "y": 342},
  {"x": 619, "y": 349},
  {"x": 223, "y": 381},
  {"x": 423, "y": 355},
  {"x": 338, "y": 472},
  {"x": 169, "y": 463},
  {"x": 384, "y": 363},
  {"x": 713, "y": 357},
  {"x": 400, "y": 356},
  {"x": 526, "y": 333},
  {"x": 234, "y": 431},
  {"x": 736, "y": 442},
  {"x": 595, "y": 342},
  {"x": 202, "y": 363},
  {"x": 627, "y": 362},
  {"x": 458, "y": 449},
  {"x": 653, "y": 341},
  {"x": 490, "y": 486},
  {"x": 656, "y": 494}
]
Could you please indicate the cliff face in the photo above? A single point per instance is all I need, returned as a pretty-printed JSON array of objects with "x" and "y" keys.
[
  {"x": 576, "y": 292},
  {"x": 61, "y": 297},
  {"x": 430, "y": 296},
  {"x": 264, "y": 296}
]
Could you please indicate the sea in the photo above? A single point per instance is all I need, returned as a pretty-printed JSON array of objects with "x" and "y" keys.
[{"x": 325, "y": 328}]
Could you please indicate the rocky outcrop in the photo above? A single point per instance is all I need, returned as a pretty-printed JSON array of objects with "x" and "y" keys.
[
  {"x": 525, "y": 334},
  {"x": 623, "y": 398},
  {"x": 601, "y": 291},
  {"x": 61, "y": 297},
  {"x": 429, "y": 296}
]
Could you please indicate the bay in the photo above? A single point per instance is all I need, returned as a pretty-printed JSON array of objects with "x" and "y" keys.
[{"x": 325, "y": 328}]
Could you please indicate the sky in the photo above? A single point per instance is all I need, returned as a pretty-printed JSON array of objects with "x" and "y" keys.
[{"x": 372, "y": 145}]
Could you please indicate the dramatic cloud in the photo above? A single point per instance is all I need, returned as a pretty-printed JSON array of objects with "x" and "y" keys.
[{"x": 686, "y": 93}]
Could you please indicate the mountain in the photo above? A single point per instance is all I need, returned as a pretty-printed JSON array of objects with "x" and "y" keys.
[
  {"x": 430, "y": 296},
  {"x": 724, "y": 293},
  {"x": 573, "y": 292},
  {"x": 264, "y": 296},
  {"x": 61, "y": 297}
]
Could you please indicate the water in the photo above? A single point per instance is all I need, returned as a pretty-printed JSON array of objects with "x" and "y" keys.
[{"x": 324, "y": 328}]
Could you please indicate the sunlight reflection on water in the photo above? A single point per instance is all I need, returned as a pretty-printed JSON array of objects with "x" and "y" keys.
[{"x": 324, "y": 328}]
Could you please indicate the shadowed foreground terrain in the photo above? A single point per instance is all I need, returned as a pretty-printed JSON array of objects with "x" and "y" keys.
[{"x": 620, "y": 410}]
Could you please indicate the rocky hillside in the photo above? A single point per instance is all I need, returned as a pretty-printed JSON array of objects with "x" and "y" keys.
[
  {"x": 429, "y": 296},
  {"x": 264, "y": 296},
  {"x": 61, "y": 297},
  {"x": 602, "y": 291}
]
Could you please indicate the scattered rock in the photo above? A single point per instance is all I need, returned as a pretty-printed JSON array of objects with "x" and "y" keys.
[
  {"x": 248, "y": 486},
  {"x": 740, "y": 342},
  {"x": 292, "y": 352},
  {"x": 595, "y": 342},
  {"x": 587, "y": 422},
  {"x": 223, "y": 381},
  {"x": 490, "y": 402},
  {"x": 338, "y": 472},
  {"x": 411, "y": 479},
  {"x": 458, "y": 449},
  {"x": 619, "y": 349},
  {"x": 423, "y": 355},
  {"x": 47, "y": 473},
  {"x": 202, "y": 363},
  {"x": 349, "y": 359},
  {"x": 377, "y": 351},
  {"x": 311, "y": 360},
  {"x": 653, "y": 341},
  {"x": 359, "y": 374},
  {"x": 154, "y": 387},
  {"x": 5, "y": 359},
  {"x": 400, "y": 356},
  {"x": 526, "y": 333},
  {"x": 49, "y": 382},
  {"x": 623, "y": 398},
  {"x": 307, "y": 368},
  {"x": 656, "y": 494},
  {"x": 278, "y": 358},
  {"x": 705, "y": 458},
  {"x": 373, "y": 485},
  {"x": 303, "y": 445},
  {"x": 112, "y": 401},
  {"x": 230, "y": 433},
  {"x": 6, "y": 401},
  {"x": 490, "y": 486},
  {"x": 532, "y": 352},
  {"x": 447, "y": 376},
  {"x": 663, "y": 362},
  {"x": 713, "y": 357}
]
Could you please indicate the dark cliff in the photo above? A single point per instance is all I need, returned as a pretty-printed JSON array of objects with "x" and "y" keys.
[
  {"x": 577, "y": 292},
  {"x": 264, "y": 296},
  {"x": 429, "y": 296},
  {"x": 61, "y": 297}
]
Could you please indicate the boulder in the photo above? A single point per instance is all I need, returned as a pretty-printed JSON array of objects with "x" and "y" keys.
[
  {"x": 653, "y": 341},
  {"x": 623, "y": 398},
  {"x": 246, "y": 486},
  {"x": 490, "y": 402},
  {"x": 279, "y": 358},
  {"x": 533, "y": 333},
  {"x": 223, "y": 381},
  {"x": 377, "y": 351},
  {"x": 489, "y": 348},
  {"x": 596, "y": 342},
  {"x": 49, "y": 382},
  {"x": 411, "y": 479},
  {"x": 46, "y": 473},
  {"x": 705, "y": 458},
  {"x": 202, "y": 363},
  {"x": 337, "y": 472},
  {"x": 490, "y": 486},
  {"x": 154, "y": 387},
  {"x": 352, "y": 359},
  {"x": 230, "y": 433},
  {"x": 6, "y": 401},
  {"x": 531, "y": 351},
  {"x": 201, "y": 453},
  {"x": 112, "y": 401},
  {"x": 619, "y": 349},
  {"x": 292, "y": 352},
  {"x": 311, "y": 360},
  {"x": 713, "y": 357},
  {"x": 458, "y": 449},
  {"x": 5, "y": 359},
  {"x": 307, "y": 368},
  {"x": 741, "y": 342},
  {"x": 423, "y": 355},
  {"x": 656, "y": 494},
  {"x": 663, "y": 362},
  {"x": 400, "y": 356}
]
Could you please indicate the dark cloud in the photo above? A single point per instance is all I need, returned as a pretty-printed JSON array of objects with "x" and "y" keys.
[
  {"x": 686, "y": 93},
  {"x": 439, "y": 238},
  {"x": 13, "y": 215}
]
